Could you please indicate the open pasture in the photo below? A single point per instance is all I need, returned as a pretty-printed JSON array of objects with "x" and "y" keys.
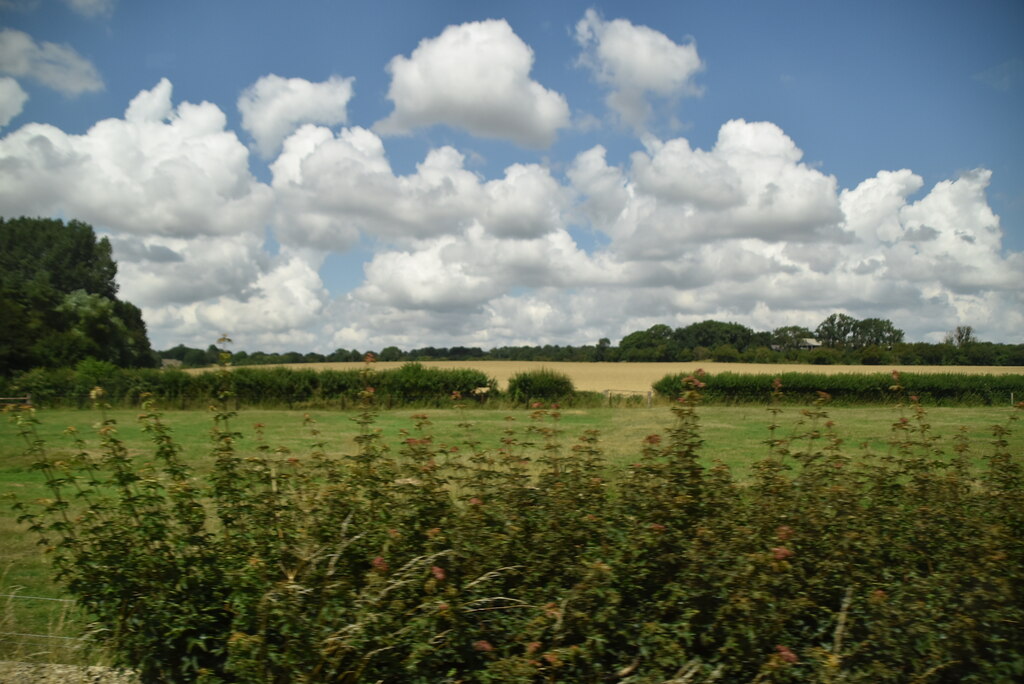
[
  {"x": 638, "y": 377},
  {"x": 734, "y": 435}
]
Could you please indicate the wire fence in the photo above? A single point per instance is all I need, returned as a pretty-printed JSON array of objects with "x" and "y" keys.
[
  {"x": 36, "y": 598},
  {"x": 31, "y": 635}
]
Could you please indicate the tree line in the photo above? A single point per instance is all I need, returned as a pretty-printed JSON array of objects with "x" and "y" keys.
[{"x": 838, "y": 339}]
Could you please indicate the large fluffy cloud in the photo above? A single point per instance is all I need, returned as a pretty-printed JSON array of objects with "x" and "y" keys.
[
  {"x": 280, "y": 309},
  {"x": 333, "y": 188},
  {"x": 273, "y": 107},
  {"x": 751, "y": 184},
  {"x": 161, "y": 169},
  {"x": 635, "y": 62},
  {"x": 474, "y": 76},
  {"x": 467, "y": 271},
  {"x": 56, "y": 66}
]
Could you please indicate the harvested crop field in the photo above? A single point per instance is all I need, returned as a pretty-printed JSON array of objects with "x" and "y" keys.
[{"x": 638, "y": 377}]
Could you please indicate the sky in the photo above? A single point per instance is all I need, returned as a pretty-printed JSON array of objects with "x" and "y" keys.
[{"x": 317, "y": 175}]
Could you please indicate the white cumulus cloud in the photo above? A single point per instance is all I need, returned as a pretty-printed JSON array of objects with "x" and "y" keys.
[
  {"x": 274, "y": 107},
  {"x": 58, "y": 67},
  {"x": 474, "y": 76},
  {"x": 162, "y": 169},
  {"x": 635, "y": 62},
  {"x": 279, "y": 309},
  {"x": 751, "y": 184},
  {"x": 332, "y": 188}
]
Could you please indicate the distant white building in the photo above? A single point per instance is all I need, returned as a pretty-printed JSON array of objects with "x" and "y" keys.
[{"x": 806, "y": 343}]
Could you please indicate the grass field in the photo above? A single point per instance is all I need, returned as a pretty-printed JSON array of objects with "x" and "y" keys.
[
  {"x": 734, "y": 435},
  {"x": 638, "y": 377}
]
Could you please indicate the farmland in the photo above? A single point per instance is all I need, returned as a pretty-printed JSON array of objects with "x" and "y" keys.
[
  {"x": 638, "y": 377},
  {"x": 551, "y": 514}
]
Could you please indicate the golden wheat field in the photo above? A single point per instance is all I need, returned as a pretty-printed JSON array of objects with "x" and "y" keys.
[{"x": 638, "y": 377}]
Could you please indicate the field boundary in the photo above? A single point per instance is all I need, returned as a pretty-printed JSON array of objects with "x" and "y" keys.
[{"x": 600, "y": 375}]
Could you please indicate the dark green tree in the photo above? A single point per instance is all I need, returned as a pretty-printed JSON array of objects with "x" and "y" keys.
[
  {"x": 878, "y": 332},
  {"x": 59, "y": 299},
  {"x": 654, "y": 344},
  {"x": 713, "y": 334},
  {"x": 790, "y": 337},
  {"x": 836, "y": 330}
]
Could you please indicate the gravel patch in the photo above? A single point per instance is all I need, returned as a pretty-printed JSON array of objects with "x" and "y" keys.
[{"x": 37, "y": 673}]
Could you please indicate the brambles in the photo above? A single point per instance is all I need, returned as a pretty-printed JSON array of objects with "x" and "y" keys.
[{"x": 532, "y": 561}]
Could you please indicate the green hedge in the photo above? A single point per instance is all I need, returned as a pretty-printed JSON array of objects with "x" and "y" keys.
[
  {"x": 934, "y": 389},
  {"x": 541, "y": 384},
  {"x": 249, "y": 386}
]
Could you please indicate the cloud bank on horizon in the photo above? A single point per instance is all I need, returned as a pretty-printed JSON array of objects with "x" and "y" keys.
[{"x": 562, "y": 244}]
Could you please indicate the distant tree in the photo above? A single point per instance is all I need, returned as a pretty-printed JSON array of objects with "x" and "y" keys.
[
  {"x": 391, "y": 354},
  {"x": 836, "y": 330},
  {"x": 759, "y": 339},
  {"x": 873, "y": 355},
  {"x": 725, "y": 353},
  {"x": 790, "y": 337},
  {"x": 344, "y": 356},
  {"x": 712, "y": 334},
  {"x": 1013, "y": 355},
  {"x": 290, "y": 357},
  {"x": 654, "y": 344},
  {"x": 961, "y": 336},
  {"x": 427, "y": 353},
  {"x": 464, "y": 353},
  {"x": 194, "y": 358},
  {"x": 874, "y": 332},
  {"x": 760, "y": 355}
]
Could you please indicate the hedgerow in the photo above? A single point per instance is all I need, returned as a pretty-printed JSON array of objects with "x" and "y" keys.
[
  {"x": 530, "y": 562},
  {"x": 411, "y": 384},
  {"x": 936, "y": 389}
]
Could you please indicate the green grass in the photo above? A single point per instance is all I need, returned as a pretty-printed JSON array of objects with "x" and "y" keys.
[{"x": 734, "y": 435}]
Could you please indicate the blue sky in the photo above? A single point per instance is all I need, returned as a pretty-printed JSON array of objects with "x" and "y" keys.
[{"x": 441, "y": 173}]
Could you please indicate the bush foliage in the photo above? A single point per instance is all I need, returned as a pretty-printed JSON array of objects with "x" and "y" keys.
[
  {"x": 530, "y": 562},
  {"x": 542, "y": 384}
]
